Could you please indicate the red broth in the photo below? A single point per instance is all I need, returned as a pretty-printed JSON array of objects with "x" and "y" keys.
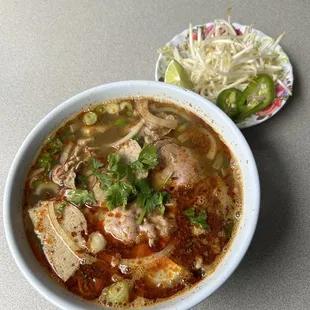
[{"x": 191, "y": 204}]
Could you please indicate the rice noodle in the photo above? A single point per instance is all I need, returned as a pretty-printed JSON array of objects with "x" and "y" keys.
[
  {"x": 148, "y": 117},
  {"x": 143, "y": 261}
]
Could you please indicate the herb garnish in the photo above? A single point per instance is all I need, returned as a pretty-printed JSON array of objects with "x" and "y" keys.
[
  {"x": 80, "y": 196},
  {"x": 121, "y": 186},
  {"x": 148, "y": 199},
  {"x": 83, "y": 182},
  {"x": 60, "y": 209},
  {"x": 147, "y": 159},
  {"x": 201, "y": 219}
]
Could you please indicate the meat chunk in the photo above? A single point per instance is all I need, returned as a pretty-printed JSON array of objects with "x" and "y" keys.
[
  {"x": 99, "y": 193},
  {"x": 64, "y": 174},
  {"x": 121, "y": 224},
  {"x": 62, "y": 177},
  {"x": 59, "y": 255},
  {"x": 165, "y": 225},
  {"x": 130, "y": 152},
  {"x": 180, "y": 163},
  {"x": 153, "y": 132}
]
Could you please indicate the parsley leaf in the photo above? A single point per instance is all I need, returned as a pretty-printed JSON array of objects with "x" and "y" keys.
[
  {"x": 201, "y": 219},
  {"x": 60, "y": 209},
  {"x": 105, "y": 180},
  {"x": 118, "y": 194},
  {"x": 147, "y": 159},
  {"x": 82, "y": 180},
  {"x": 113, "y": 160},
  {"x": 80, "y": 196},
  {"x": 137, "y": 165},
  {"x": 149, "y": 200},
  {"x": 96, "y": 165}
]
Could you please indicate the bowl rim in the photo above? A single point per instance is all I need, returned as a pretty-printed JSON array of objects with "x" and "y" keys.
[{"x": 54, "y": 114}]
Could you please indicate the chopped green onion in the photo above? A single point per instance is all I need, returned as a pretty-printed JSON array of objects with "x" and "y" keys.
[
  {"x": 182, "y": 128},
  {"x": 168, "y": 177},
  {"x": 100, "y": 109},
  {"x": 118, "y": 292},
  {"x": 45, "y": 161},
  {"x": 55, "y": 146},
  {"x": 67, "y": 136},
  {"x": 61, "y": 209},
  {"x": 90, "y": 118},
  {"x": 128, "y": 112},
  {"x": 120, "y": 122}
]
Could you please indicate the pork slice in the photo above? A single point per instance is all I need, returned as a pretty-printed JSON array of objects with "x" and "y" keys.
[
  {"x": 180, "y": 163},
  {"x": 121, "y": 224},
  {"x": 64, "y": 262},
  {"x": 153, "y": 133},
  {"x": 130, "y": 152},
  {"x": 99, "y": 193},
  {"x": 64, "y": 174}
]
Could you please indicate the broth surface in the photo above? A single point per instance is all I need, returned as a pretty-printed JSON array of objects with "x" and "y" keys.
[{"x": 132, "y": 201}]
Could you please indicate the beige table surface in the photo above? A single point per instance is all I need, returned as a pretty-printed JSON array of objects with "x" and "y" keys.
[{"x": 52, "y": 49}]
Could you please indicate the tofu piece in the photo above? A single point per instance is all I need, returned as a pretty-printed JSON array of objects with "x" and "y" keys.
[{"x": 64, "y": 262}]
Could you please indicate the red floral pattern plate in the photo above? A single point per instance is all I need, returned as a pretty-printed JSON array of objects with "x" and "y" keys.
[{"x": 283, "y": 60}]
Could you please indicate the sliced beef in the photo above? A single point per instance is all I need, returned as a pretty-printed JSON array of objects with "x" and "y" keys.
[
  {"x": 122, "y": 225},
  {"x": 130, "y": 152},
  {"x": 178, "y": 162}
]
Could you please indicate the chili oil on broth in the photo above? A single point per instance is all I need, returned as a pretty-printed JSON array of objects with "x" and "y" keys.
[{"x": 205, "y": 212}]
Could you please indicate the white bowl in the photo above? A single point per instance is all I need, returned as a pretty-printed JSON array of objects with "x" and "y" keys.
[{"x": 13, "y": 221}]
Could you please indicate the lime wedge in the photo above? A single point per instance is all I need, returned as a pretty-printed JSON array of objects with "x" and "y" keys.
[{"x": 177, "y": 75}]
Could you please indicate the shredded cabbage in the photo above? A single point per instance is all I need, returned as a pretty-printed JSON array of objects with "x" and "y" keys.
[{"x": 225, "y": 58}]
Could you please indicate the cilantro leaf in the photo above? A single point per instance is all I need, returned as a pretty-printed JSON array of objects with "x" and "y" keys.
[
  {"x": 149, "y": 200},
  {"x": 82, "y": 180},
  {"x": 118, "y": 194},
  {"x": 105, "y": 180},
  {"x": 201, "y": 219},
  {"x": 148, "y": 157},
  {"x": 190, "y": 213},
  {"x": 55, "y": 146},
  {"x": 96, "y": 165},
  {"x": 60, "y": 209},
  {"x": 80, "y": 196},
  {"x": 137, "y": 165},
  {"x": 113, "y": 160}
]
